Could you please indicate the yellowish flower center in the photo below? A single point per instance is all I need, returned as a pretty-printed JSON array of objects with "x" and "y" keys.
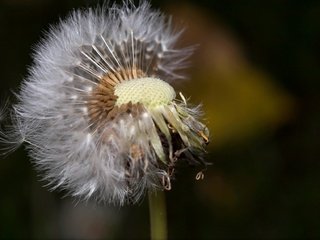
[{"x": 150, "y": 92}]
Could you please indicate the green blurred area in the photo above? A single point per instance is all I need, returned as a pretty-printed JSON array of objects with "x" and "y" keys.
[{"x": 256, "y": 72}]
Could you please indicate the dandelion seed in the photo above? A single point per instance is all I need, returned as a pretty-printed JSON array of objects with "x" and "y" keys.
[{"x": 98, "y": 112}]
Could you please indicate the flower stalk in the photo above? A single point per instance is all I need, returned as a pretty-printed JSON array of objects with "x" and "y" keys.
[{"x": 158, "y": 215}]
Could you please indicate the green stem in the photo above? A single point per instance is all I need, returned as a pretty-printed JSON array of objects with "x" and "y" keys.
[{"x": 158, "y": 215}]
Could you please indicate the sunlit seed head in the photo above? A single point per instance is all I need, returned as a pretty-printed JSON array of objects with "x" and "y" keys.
[
  {"x": 150, "y": 92},
  {"x": 98, "y": 120}
]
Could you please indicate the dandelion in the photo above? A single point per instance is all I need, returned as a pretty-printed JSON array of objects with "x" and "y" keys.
[{"x": 97, "y": 112}]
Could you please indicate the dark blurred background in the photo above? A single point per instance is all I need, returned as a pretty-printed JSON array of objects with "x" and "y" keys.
[{"x": 256, "y": 71}]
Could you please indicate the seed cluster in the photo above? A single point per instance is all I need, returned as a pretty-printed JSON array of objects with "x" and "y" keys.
[{"x": 97, "y": 111}]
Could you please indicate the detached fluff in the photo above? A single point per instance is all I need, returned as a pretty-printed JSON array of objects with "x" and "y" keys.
[{"x": 97, "y": 112}]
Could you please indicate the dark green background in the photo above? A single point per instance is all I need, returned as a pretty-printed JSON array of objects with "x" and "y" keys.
[{"x": 282, "y": 37}]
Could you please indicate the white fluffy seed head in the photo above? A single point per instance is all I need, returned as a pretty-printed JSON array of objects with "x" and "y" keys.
[{"x": 86, "y": 129}]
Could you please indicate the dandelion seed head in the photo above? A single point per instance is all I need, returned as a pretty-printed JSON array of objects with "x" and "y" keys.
[{"x": 98, "y": 112}]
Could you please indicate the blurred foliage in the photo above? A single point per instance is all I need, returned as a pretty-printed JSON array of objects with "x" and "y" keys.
[
  {"x": 256, "y": 71},
  {"x": 240, "y": 100}
]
